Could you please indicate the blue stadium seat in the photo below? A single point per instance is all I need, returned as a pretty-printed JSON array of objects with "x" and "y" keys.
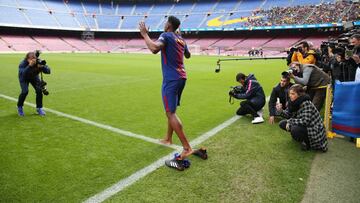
[
  {"x": 75, "y": 6},
  {"x": 108, "y": 8},
  {"x": 108, "y": 22},
  {"x": 8, "y": 3},
  {"x": 161, "y": 8},
  {"x": 125, "y": 9},
  {"x": 42, "y": 18},
  {"x": 92, "y": 7},
  {"x": 31, "y": 4},
  {"x": 12, "y": 15},
  {"x": 66, "y": 20},
  {"x": 249, "y": 5},
  {"x": 142, "y": 9},
  {"x": 225, "y": 6},
  {"x": 131, "y": 22},
  {"x": 56, "y": 5}
]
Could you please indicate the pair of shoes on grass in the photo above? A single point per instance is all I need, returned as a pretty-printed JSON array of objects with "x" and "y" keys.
[
  {"x": 181, "y": 164},
  {"x": 39, "y": 111}
]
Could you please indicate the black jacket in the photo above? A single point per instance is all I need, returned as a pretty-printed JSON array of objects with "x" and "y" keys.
[
  {"x": 282, "y": 94},
  {"x": 252, "y": 91}
]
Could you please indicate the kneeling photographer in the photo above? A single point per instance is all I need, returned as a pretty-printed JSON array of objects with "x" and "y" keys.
[
  {"x": 29, "y": 70},
  {"x": 254, "y": 96},
  {"x": 314, "y": 79},
  {"x": 303, "y": 120}
]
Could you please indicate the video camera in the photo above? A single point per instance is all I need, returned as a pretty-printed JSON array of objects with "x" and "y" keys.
[
  {"x": 40, "y": 63},
  {"x": 294, "y": 49},
  {"x": 339, "y": 45},
  {"x": 235, "y": 90}
]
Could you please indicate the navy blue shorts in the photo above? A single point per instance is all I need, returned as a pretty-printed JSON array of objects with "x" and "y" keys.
[{"x": 171, "y": 94}]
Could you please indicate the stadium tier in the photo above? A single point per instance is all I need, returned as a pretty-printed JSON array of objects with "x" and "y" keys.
[
  {"x": 125, "y": 15},
  {"x": 195, "y": 15},
  {"x": 209, "y": 45}
]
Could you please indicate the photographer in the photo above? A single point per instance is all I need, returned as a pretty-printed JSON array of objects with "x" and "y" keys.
[
  {"x": 314, "y": 78},
  {"x": 355, "y": 41},
  {"x": 304, "y": 121},
  {"x": 253, "y": 94},
  {"x": 279, "y": 92},
  {"x": 303, "y": 54},
  {"x": 29, "y": 70}
]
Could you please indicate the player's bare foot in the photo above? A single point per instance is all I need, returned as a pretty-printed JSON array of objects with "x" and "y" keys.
[
  {"x": 166, "y": 142},
  {"x": 185, "y": 153}
]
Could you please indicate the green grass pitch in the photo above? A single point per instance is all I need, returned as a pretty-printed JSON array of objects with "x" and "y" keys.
[{"x": 55, "y": 159}]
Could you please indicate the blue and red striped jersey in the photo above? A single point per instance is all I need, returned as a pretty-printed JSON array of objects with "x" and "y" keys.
[{"x": 172, "y": 56}]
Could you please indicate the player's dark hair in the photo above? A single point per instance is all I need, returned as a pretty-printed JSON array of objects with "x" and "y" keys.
[
  {"x": 240, "y": 76},
  {"x": 174, "y": 21}
]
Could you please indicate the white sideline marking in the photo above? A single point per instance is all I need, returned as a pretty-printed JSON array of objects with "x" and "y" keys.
[
  {"x": 99, "y": 125},
  {"x": 122, "y": 184}
]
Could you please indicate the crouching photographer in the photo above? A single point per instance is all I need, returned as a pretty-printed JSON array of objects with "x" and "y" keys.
[
  {"x": 29, "y": 70},
  {"x": 254, "y": 96},
  {"x": 303, "y": 120}
]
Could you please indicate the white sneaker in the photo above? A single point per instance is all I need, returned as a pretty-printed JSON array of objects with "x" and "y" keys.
[
  {"x": 260, "y": 112},
  {"x": 257, "y": 120}
]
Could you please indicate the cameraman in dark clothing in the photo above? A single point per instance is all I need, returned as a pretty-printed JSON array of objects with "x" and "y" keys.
[
  {"x": 279, "y": 92},
  {"x": 29, "y": 70},
  {"x": 254, "y": 97},
  {"x": 355, "y": 58}
]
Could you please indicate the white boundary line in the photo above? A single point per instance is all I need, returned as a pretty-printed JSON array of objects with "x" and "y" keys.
[
  {"x": 99, "y": 125},
  {"x": 122, "y": 184}
]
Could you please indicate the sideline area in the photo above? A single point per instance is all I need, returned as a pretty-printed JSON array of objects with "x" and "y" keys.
[{"x": 335, "y": 175}]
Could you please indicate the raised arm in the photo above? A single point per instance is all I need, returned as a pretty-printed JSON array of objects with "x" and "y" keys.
[{"x": 154, "y": 47}]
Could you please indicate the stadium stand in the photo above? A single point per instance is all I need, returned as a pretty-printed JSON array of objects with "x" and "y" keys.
[
  {"x": 199, "y": 14},
  {"x": 123, "y": 16}
]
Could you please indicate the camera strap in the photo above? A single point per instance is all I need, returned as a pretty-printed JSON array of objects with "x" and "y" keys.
[{"x": 231, "y": 100}]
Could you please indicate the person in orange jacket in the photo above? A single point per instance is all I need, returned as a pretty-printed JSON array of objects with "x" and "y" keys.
[{"x": 304, "y": 55}]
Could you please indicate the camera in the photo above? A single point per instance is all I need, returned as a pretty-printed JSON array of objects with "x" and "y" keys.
[
  {"x": 294, "y": 49},
  {"x": 43, "y": 87},
  {"x": 39, "y": 61},
  {"x": 336, "y": 56},
  {"x": 236, "y": 90}
]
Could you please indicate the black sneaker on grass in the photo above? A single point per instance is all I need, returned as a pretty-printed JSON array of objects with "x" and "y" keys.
[
  {"x": 201, "y": 153},
  {"x": 176, "y": 164}
]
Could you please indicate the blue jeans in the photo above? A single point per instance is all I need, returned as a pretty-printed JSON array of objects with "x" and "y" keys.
[{"x": 25, "y": 90}]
